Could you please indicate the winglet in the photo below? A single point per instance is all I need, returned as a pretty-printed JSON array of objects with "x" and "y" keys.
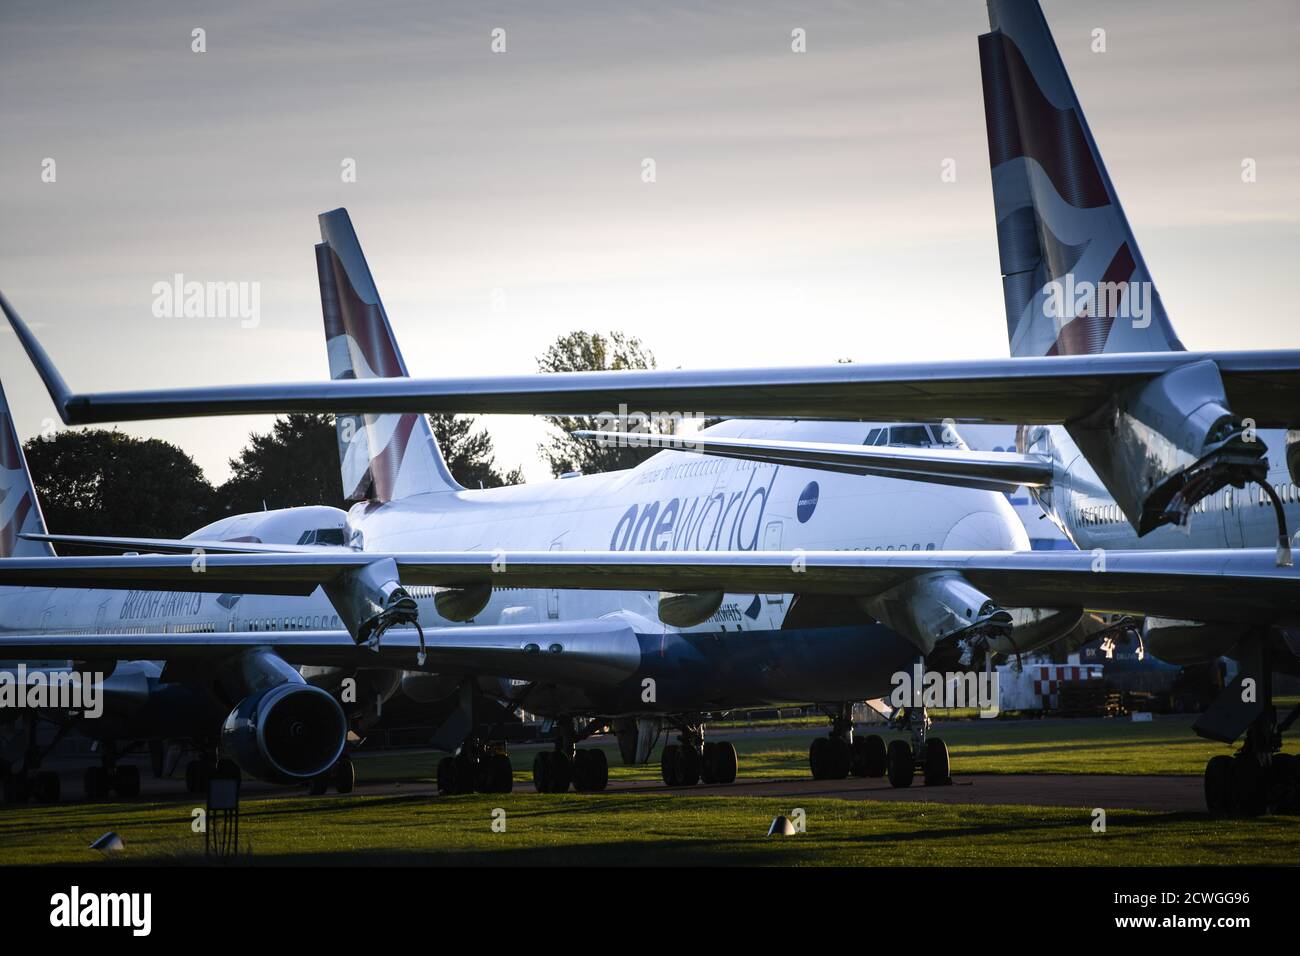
[{"x": 60, "y": 394}]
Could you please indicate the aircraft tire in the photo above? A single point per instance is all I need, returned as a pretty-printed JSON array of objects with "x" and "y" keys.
[
  {"x": 126, "y": 781},
  {"x": 870, "y": 757},
  {"x": 345, "y": 775},
  {"x": 502, "y": 773},
  {"x": 444, "y": 776},
  {"x": 462, "y": 774},
  {"x": 561, "y": 772},
  {"x": 319, "y": 785},
  {"x": 938, "y": 769},
  {"x": 725, "y": 762},
  {"x": 839, "y": 758},
  {"x": 45, "y": 787},
  {"x": 542, "y": 771},
  {"x": 598, "y": 771},
  {"x": 817, "y": 757},
  {"x": 1218, "y": 784},
  {"x": 900, "y": 763},
  {"x": 94, "y": 784},
  {"x": 707, "y": 773},
  {"x": 668, "y": 765},
  {"x": 1248, "y": 785},
  {"x": 688, "y": 766}
]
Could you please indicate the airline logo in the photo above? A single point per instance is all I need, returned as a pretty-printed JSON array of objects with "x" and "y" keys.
[
  {"x": 723, "y": 520},
  {"x": 807, "y": 502}
]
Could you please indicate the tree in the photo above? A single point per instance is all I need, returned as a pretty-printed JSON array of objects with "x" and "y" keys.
[
  {"x": 592, "y": 352},
  {"x": 469, "y": 454},
  {"x": 295, "y": 463},
  {"x": 102, "y": 482}
]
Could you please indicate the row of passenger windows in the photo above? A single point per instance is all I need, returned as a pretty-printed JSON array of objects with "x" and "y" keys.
[
  {"x": 1289, "y": 493},
  {"x": 303, "y": 622}
]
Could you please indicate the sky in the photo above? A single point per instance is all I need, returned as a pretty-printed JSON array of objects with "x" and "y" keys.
[{"x": 797, "y": 215}]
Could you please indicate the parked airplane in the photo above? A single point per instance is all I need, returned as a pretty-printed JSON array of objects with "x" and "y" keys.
[
  {"x": 889, "y": 571},
  {"x": 1060, "y": 227},
  {"x": 928, "y": 599}
]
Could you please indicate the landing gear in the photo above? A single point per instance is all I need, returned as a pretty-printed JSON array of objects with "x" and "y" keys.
[
  {"x": 478, "y": 767},
  {"x": 927, "y": 754},
  {"x": 342, "y": 777},
  {"x": 1258, "y": 778},
  {"x": 31, "y": 782},
  {"x": 831, "y": 757},
  {"x": 586, "y": 769},
  {"x": 870, "y": 756},
  {"x": 691, "y": 760}
]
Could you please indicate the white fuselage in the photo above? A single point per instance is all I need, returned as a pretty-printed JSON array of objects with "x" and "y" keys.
[
  {"x": 1084, "y": 510},
  {"x": 674, "y": 500}
]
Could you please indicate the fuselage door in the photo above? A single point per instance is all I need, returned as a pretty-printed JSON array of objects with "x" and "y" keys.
[
  {"x": 553, "y": 594},
  {"x": 772, "y": 542}
]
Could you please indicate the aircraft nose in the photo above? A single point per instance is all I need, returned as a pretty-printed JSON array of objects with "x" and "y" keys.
[{"x": 985, "y": 531}]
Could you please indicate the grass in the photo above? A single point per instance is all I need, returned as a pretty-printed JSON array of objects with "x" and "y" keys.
[
  {"x": 1166, "y": 745},
  {"x": 646, "y": 830},
  {"x": 658, "y": 828}
]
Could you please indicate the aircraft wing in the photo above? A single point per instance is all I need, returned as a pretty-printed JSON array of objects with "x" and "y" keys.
[
  {"x": 176, "y": 545},
  {"x": 990, "y": 470},
  {"x": 1218, "y": 585},
  {"x": 1263, "y": 385},
  {"x": 595, "y": 653}
]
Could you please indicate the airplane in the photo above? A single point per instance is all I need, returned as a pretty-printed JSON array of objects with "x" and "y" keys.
[{"x": 907, "y": 593}]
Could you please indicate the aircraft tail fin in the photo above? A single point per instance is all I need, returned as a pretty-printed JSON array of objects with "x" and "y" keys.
[
  {"x": 1074, "y": 280},
  {"x": 388, "y": 456},
  {"x": 20, "y": 509}
]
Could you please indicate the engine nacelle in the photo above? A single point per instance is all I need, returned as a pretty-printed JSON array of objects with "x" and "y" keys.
[
  {"x": 1189, "y": 642},
  {"x": 289, "y": 733},
  {"x": 425, "y": 688},
  {"x": 688, "y": 609},
  {"x": 1035, "y": 627},
  {"x": 462, "y": 604}
]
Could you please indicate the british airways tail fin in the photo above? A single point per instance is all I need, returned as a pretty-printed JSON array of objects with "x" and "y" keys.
[
  {"x": 1073, "y": 278},
  {"x": 20, "y": 511},
  {"x": 383, "y": 457}
]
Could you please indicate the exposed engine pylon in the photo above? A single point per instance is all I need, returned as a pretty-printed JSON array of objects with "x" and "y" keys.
[
  {"x": 953, "y": 623},
  {"x": 370, "y": 600}
]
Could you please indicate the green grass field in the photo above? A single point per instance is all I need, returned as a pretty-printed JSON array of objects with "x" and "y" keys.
[
  {"x": 649, "y": 829},
  {"x": 1166, "y": 745},
  {"x": 659, "y": 828}
]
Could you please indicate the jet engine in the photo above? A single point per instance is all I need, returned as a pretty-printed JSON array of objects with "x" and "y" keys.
[
  {"x": 289, "y": 733},
  {"x": 689, "y": 609}
]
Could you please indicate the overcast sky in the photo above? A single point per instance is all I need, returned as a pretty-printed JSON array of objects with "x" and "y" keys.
[{"x": 798, "y": 214}]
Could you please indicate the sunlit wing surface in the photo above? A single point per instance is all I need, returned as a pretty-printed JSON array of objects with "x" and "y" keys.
[
  {"x": 581, "y": 653},
  {"x": 990, "y": 470},
  {"x": 1264, "y": 386},
  {"x": 175, "y": 545},
  {"x": 1223, "y": 585}
]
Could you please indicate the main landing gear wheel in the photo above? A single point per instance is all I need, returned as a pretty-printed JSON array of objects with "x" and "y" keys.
[
  {"x": 719, "y": 763},
  {"x": 680, "y": 765},
  {"x": 870, "y": 757},
  {"x": 830, "y": 758},
  {"x": 552, "y": 772},
  {"x": 1218, "y": 784},
  {"x": 936, "y": 763},
  {"x": 901, "y": 767},
  {"x": 590, "y": 771}
]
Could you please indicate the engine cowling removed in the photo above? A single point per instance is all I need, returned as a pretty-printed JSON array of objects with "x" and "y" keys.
[{"x": 289, "y": 733}]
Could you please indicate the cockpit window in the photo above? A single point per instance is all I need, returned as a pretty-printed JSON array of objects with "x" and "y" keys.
[{"x": 322, "y": 536}]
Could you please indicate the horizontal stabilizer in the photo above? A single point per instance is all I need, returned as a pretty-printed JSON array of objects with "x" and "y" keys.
[{"x": 989, "y": 470}]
